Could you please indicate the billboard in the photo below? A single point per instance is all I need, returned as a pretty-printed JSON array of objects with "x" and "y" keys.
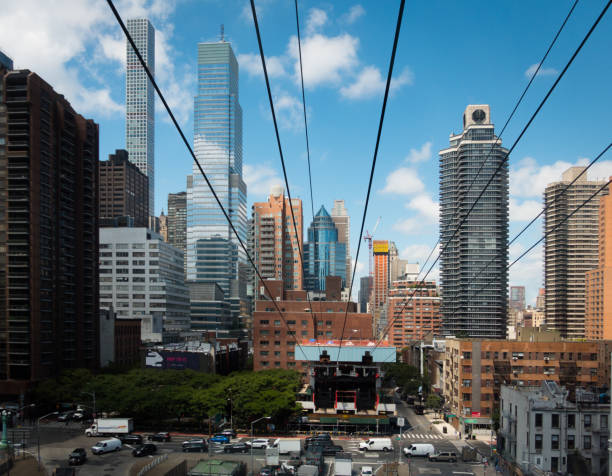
[
  {"x": 172, "y": 359},
  {"x": 381, "y": 246}
]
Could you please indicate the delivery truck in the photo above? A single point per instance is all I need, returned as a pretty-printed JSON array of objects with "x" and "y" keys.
[
  {"x": 287, "y": 446},
  {"x": 110, "y": 426}
]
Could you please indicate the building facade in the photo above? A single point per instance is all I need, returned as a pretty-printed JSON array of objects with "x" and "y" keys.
[
  {"x": 177, "y": 222},
  {"x": 274, "y": 343},
  {"x": 517, "y": 297},
  {"x": 209, "y": 309},
  {"x": 124, "y": 192},
  {"x": 365, "y": 289},
  {"x": 570, "y": 250},
  {"x": 140, "y": 102},
  {"x": 276, "y": 248},
  {"x": 380, "y": 291},
  {"x": 567, "y": 433},
  {"x": 142, "y": 275},
  {"x": 49, "y": 318},
  {"x": 324, "y": 255},
  {"x": 342, "y": 220},
  {"x": 414, "y": 311},
  {"x": 474, "y": 302},
  {"x": 163, "y": 226},
  {"x": 213, "y": 251},
  {"x": 474, "y": 371},
  {"x": 397, "y": 266},
  {"x": 598, "y": 291}
]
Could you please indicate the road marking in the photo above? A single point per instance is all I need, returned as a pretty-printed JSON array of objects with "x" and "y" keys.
[
  {"x": 370, "y": 455},
  {"x": 463, "y": 472}
]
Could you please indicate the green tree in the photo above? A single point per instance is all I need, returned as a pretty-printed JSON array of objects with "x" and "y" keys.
[{"x": 434, "y": 402}]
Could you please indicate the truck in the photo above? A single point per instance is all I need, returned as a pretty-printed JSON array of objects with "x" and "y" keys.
[
  {"x": 287, "y": 446},
  {"x": 110, "y": 426},
  {"x": 343, "y": 464}
]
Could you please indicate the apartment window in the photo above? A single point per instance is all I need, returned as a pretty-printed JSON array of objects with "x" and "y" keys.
[
  {"x": 264, "y": 363},
  {"x": 263, "y": 342},
  {"x": 263, "y": 352},
  {"x": 603, "y": 424},
  {"x": 304, "y": 323},
  {"x": 467, "y": 355},
  {"x": 277, "y": 353},
  {"x": 554, "y": 442},
  {"x": 571, "y": 442},
  {"x": 277, "y": 342},
  {"x": 264, "y": 323},
  {"x": 587, "y": 421},
  {"x": 277, "y": 333},
  {"x": 538, "y": 419},
  {"x": 277, "y": 323},
  {"x": 555, "y": 420},
  {"x": 571, "y": 421},
  {"x": 587, "y": 442},
  {"x": 328, "y": 323},
  {"x": 538, "y": 442}
]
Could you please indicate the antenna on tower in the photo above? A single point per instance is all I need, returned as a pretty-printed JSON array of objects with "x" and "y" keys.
[{"x": 222, "y": 31}]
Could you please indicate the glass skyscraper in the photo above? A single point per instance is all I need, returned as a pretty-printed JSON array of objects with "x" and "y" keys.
[
  {"x": 140, "y": 103},
  {"x": 213, "y": 252},
  {"x": 324, "y": 255},
  {"x": 475, "y": 301}
]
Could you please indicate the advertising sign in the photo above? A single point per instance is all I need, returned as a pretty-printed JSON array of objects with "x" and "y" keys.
[
  {"x": 176, "y": 360},
  {"x": 476, "y": 414}
]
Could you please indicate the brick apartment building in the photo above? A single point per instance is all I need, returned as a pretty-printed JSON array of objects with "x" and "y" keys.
[
  {"x": 413, "y": 317},
  {"x": 274, "y": 343},
  {"x": 474, "y": 371}
]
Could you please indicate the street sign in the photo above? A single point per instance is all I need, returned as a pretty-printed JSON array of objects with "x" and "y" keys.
[{"x": 401, "y": 422}]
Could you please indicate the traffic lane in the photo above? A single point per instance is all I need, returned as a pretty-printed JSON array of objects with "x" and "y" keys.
[{"x": 424, "y": 466}]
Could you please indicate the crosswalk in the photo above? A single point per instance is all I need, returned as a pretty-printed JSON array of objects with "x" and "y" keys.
[{"x": 420, "y": 436}]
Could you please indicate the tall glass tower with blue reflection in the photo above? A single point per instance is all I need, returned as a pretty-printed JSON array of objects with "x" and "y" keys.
[
  {"x": 213, "y": 252},
  {"x": 324, "y": 255}
]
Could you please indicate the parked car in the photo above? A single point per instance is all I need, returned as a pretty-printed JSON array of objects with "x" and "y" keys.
[
  {"x": 258, "y": 443},
  {"x": 195, "y": 448},
  {"x": 219, "y": 439},
  {"x": 161, "y": 436},
  {"x": 144, "y": 450},
  {"x": 236, "y": 448},
  {"x": 131, "y": 439},
  {"x": 78, "y": 456},
  {"x": 331, "y": 450},
  {"x": 106, "y": 446},
  {"x": 443, "y": 456},
  {"x": 320, "y": 437},
  {"x": 65, "y": 416},
  {"x": 366, "y": 471},
  {"x": 267, "y": 471},
  {"x": 229, "y": 432},
  {"x": 199, "y": 440}
]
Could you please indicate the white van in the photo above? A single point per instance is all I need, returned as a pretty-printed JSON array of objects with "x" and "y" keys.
[
  {"x": 376, "y": 444},
  {"x": 106, "y": 446},
  {"x": 419, "y": 449}
]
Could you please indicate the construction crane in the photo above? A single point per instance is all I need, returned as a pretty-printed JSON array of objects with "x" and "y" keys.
[{"x": 368, "y": 237}]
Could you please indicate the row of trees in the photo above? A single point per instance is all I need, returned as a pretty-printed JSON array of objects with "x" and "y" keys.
[{"x": 150, "y": 395}]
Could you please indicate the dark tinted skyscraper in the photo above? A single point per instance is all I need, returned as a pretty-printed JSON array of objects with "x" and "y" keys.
[
  {"x": 324, "y": 255},
  {"x": 49, "y": 318},
  {"x": 177, "y": 221},
  {"x": 474, "y": 302}
]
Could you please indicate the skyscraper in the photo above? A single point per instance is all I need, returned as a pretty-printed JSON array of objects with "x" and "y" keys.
[
  {"x": 213, "y": 252},
  {"x": 365, "y": 289},
  {"x": 49, "y": 317},
  {"x": 140, "y": 103},
  {"x": 380, "y": 292},
  {"x": 177, "y": 222},
  {"x": 324, "y": 255},
  {"x": 517, "y": 297},
  {"x": 569, "y": 251},
  {"x": 163, "y": 227},
  {"x": 342, "y": 220},
  {"x": 275, "y": 245},
  {"x": 124, "y": 192},
  {"x": 474, "y": 302}
]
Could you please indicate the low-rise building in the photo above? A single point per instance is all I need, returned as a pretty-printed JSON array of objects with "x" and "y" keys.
[
  {"x": 120, "y": 340},
  {"x": 551, "y": 429},
  {"x": 474, "y": 371}
]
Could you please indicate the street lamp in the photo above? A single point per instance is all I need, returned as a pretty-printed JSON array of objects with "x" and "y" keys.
[
  {"x": 38, "y": 432},
  {"x": 231, "y": 408},
  {"x": 252, "y": 459}
]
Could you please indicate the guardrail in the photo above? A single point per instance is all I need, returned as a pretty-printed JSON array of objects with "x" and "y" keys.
[{"x": 152, "y": 464}]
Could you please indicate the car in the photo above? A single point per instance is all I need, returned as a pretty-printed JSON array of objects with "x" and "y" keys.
[
  {"x": 65, "y": 416},
  {"x": 106, "y": 446},
  {"x": 161, "y": 436},
  {"x": 419, "y": 449},
  {"x": 366, "y": 471},
  {"x": 293, "y": 463},
  {"x": 229, "y": 432},
  {"x": 443, "y": 456},
  {"x": 331, "y": 450},
  {"x": 236, "y": 448},
  {"x": 267, "y": 471},
  {"x": 195, "y": 448},
  {"x": 376, "y": 444},
  {"x": 144, "y": 450},
  {"x": 131, "y": 439},
  {"x": 258, "y": 443},
  {"x": 219, "y": 439},
  {"x": 319, "y": 437},
  {"x": 195, "y": 440},
  {"x": 78, "y": 456},
  {"x": 81, "y": 415}
]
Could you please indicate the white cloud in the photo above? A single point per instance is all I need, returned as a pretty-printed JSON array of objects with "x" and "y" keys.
[
  {"x": 369, "y": 82},
  {"x": 325, "y": 59},
  {"x": 403, "y": 181},
  {"x": 417, "y": 253},
  {"x": 529, "y": 179},
  {"x": 420, "y": 155},
  {"x": 316, "y": 19},
  {"x": 288, "y": 111},
  {"x": 525, "y": 210},
  {"x": 409, "y": 226},
  {"x": 425, "y": 206},
  {"x": 251, "y": 63},
  {"x": 260, "y": 179},
  {"x": 543, "y": 71},
  {"x": 356, "y": 12}
]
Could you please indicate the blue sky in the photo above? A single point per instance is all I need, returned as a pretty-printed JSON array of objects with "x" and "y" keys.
[{"x": 450, "y": 54}]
